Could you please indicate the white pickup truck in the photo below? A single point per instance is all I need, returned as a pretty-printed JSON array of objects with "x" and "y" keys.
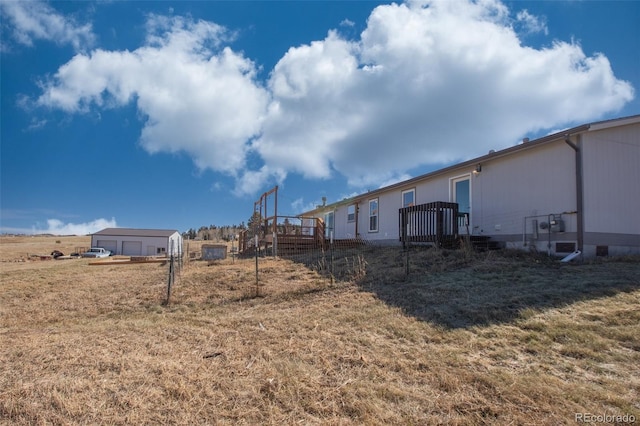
[{"x": 96, "y": 252}]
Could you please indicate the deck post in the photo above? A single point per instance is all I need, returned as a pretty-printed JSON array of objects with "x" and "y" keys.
[
  {"x": 275, "y": 244},
  {"x": 403, "y": 228}
]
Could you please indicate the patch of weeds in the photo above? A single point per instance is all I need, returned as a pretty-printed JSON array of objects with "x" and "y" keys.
[
  {"x": 156, "y": 309},
  {"x": 528, "y": 313},
  {"x": 577, "y": 351}
]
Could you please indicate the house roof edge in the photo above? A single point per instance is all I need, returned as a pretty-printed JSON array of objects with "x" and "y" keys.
[{"x": 561, "y": 135}]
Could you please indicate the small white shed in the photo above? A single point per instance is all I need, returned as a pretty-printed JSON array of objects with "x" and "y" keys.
[{"x": 139, "y": 242}]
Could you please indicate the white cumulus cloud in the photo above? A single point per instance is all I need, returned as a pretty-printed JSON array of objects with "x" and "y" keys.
[
  {"x": 532, "y": 23},
  {"x": 415, "y": 90},
  {"x": 412, "y": 90},
  {"x": 58, "y": 227},
  {"x": 194, "y": 95},
  {"x": 37, "y": 20}
]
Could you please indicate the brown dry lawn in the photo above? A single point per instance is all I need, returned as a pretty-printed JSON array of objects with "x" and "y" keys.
[{"x": 466, "y": 338}]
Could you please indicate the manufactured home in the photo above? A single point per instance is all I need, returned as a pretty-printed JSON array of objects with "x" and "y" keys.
[
  {"x": 139, "y": 242},
  {"x": 575, "y": 190}
]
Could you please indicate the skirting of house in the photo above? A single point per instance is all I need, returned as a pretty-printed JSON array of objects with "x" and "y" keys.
[
  {"x": 595, "y": 243},
  {"x": 610, "y": 239}
]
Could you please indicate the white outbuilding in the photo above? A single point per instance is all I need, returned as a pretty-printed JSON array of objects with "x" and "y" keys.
[{"x": 139, "y": 242}]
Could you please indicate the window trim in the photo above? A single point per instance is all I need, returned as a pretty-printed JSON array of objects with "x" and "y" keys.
[
  {"x": 453, "y": 196},
  {"x": 452, "y": 189},
  {"x": 328, "y": 229},
  {"x": 352, "y": 219},
  {"x": 376, "y": 215},
  {"x": 406, "y": 191}
]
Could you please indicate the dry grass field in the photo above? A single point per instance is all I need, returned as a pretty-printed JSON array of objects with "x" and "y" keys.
[{"x": 465, "y": 338}]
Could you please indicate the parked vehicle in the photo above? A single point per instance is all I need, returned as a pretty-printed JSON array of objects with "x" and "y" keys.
[{"x": 96, "y": 252}]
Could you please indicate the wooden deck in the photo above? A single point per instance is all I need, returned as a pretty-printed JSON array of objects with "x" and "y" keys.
[
  {"x": 294, "y": 234},
  {"x": 438, "y": 223}
]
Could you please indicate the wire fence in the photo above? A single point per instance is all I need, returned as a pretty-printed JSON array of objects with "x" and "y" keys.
[
  {"x": 337, "y": 261},
  {"x": 348, "y": 260},
  {"x": 178, "y": 259}
]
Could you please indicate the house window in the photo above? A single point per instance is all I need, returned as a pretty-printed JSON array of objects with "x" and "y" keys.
[
  {"x": 351, "y": 213},
  {"x": 328, "y": 224},
  {"x": 409, "y": 198},
  {"x": 373, "y": 215}
]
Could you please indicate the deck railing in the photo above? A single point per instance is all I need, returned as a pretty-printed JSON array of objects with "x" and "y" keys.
[
  {"x": 293, "y": 231},
  {"x": 463, "y": 223},
  {"x": 435, "y": 222}
]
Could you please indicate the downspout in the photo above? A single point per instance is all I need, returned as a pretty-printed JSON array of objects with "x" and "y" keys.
[{"x": 579, "y": 190}]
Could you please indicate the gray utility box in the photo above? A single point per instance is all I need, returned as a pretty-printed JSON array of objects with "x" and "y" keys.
[
  {"x": 557, "y": 225},
  {"x": 214, "y": 251}
]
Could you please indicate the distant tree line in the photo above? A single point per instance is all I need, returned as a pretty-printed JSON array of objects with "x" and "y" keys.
[
  {"x": 214, "y": 233},
  {"x": 254, "y": 225}
]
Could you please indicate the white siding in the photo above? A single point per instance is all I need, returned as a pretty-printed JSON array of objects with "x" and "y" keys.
[
  {"x": 111, "y": 245},
  {"x": 343, "y": 228},
  {"x": 132, "y": 248},
  {"x": 611, "y": 160},
  {"x": 532, "y": 182},
  {"x": 175, "y": 244},
  {"x": 390, "y": 202},
  {"x": 538, "y": 181},
  {"x": 513, "y": 190},
  {"x": 144, "y": 242}
]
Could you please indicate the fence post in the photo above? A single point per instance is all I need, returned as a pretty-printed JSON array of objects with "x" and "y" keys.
[
  {"x": 404, "y": 213},
  {"x": 257, "y": 283},
  {"x": 403, "y": 228},
  {"x": 331, "y": 250},
  {"x": 171, "y": 274},
  {"x": 275, "y": 244},
  {"x": 406, "y": 262}
]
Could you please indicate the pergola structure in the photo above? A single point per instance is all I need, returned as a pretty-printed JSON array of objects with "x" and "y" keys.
[{"x": 280, "y": 233}]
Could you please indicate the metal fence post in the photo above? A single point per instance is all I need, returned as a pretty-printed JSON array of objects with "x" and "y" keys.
[
  {"x": 257, "y": 284},
  {"x": 171, "y": 276},
  {"x": 275, "y": 244},
  {"x": 406, "y": 265},
  {"x": 331, "y": 252}
]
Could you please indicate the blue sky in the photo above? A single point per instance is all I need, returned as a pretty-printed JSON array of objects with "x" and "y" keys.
[{"x": 176, "y": 115}]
